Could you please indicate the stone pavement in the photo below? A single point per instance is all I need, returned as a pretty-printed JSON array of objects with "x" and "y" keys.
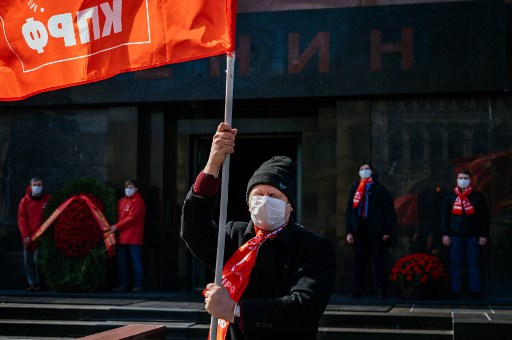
[{"x": 38, "y": 315}]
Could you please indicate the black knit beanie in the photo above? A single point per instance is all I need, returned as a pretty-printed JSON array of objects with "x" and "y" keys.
[{"x": 279, "y": 172}]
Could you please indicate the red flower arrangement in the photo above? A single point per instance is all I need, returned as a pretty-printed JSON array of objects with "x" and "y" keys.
[
  {"x": 73, "y": 254},
  {"x": 75, "y": 230},
  {"x": 418, "y": 270}
]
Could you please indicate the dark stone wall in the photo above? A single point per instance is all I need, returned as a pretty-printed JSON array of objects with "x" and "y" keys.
[
  {"x": 414, "y": 144},
  {"x": 55, "y": 145}
]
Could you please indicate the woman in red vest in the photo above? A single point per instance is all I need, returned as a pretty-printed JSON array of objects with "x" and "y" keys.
[{"x": 130, "y": 231}]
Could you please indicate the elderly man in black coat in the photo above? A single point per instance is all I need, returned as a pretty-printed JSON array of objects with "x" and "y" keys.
[{"x": 278, "y": 276}]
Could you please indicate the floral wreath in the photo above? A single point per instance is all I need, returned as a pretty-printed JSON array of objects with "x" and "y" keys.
[{"x": 73, "y": 256}]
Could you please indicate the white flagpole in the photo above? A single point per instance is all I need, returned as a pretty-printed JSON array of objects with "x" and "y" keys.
[{"x": 228, "y": 112}]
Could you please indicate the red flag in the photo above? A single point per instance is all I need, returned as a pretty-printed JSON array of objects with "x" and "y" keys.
[
  {"x": 406, "y": 207},
  {"x": 47, "y": 45}
]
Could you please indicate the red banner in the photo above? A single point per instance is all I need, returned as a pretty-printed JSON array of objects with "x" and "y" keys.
[{"x": 48, "y": 45}]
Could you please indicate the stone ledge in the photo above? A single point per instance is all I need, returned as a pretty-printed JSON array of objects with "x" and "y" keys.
[{"x": 131, "y": 332}]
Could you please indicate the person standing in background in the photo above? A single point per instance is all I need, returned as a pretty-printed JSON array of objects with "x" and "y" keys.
[
  {"x": 370, "y": 220},
  {"x": 465, "y": 228},
  {"x": 30, "y": 218},
  {"x": 130, "y": 233}
]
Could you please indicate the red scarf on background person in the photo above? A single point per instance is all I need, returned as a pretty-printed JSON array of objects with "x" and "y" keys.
[
  {"x": 360, "y": 191},
  {"x": 237, "y": 270},
  {"x": 462, "y": 202}
]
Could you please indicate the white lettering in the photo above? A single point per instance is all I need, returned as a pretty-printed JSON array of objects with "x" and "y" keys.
[
  {"x": 113, "y": 17},
  {"x": 61, "y": 26},
  {"x": 35, "y": 34},
  {"x": 82, "y": 19},
  {"x": 32, "y": 5}
]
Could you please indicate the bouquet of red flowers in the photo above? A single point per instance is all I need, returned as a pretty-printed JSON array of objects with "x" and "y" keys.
[{"x": 421, "y": 271}]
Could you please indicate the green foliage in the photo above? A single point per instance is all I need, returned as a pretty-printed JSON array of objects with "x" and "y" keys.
[
  {"x": 89, "y": 272},
  {"x": 88, "y": 185}
]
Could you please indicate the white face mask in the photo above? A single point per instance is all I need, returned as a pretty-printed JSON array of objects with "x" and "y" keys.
[
  {"x": 36, "y": 190},
  {"x": 365, "y": 173},
  {"x": 267, "y": 213},
  {"x": 463, "y": 183},
  {"x": 129, "y": 191}
]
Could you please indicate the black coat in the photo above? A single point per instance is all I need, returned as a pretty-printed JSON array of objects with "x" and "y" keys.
[
  {"x": 476, "y": 224},
  {"x": 381, "y": 218},
  {"x": 290, "y": 284}
]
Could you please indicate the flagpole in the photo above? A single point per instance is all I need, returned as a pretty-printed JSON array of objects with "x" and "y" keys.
[{"x": 228, "y": 113}]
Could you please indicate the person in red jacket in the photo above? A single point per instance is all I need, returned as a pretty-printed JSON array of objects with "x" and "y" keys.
[
  {"x": 130, "y": 231},
  {"x": 30, "y": 218}
]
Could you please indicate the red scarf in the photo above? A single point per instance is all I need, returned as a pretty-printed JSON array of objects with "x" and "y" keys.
[
  {"x": 237, "y": 270},
  {"x": 462, "y": 202},
  {"x": 360, "y": 191}
]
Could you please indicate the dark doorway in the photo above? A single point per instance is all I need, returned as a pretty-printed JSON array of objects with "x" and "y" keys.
[{"x": 250, "y": 152}]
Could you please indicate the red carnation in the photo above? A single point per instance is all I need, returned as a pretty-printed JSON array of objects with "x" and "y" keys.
[
  {"x": 418, "y": 270},
  {"x": 75, "y": 230}
]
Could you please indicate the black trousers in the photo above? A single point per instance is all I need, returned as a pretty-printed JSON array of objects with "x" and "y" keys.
[{"x": 368, "y": 248}]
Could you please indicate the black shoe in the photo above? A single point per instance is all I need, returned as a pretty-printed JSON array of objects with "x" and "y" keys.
[
  {"x": 119, "y": 289},
  {"x": 477, "y": 296},
  {"x": 453, "y": 295},
  {"x": 356, "y": 295},
  {"x": 31, "y": 288},
  {"x": 38, "y": 288}
]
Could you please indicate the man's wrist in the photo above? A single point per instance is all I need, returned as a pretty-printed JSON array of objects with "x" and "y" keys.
[
  {"x": 212, "y": 170},
  {"x": 206, "y": 185}
]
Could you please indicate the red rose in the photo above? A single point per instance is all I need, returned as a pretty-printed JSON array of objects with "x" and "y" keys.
[{"x": 75, "y": 230}]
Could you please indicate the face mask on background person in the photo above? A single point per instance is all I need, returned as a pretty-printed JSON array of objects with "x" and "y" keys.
[
  {"x": 463, "y": 183},
  {"x": 129, "y": 191},
  {"x": 365, "y": 173},
  {"x": 267, "y": 213},
  {"x": 36, "y": 190}
]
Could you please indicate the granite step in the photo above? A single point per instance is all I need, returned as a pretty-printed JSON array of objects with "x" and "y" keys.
[{"x": 59, "y": 316}]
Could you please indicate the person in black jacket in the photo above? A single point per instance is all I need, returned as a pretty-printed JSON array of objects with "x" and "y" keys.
[
  {"x": 370, "y": 220},
  {"x": 464, "y": 227},
  {"x": 278, "y": 276}
]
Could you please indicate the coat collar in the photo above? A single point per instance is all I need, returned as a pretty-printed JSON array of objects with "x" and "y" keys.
[{"x": 134, "y": 196}]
